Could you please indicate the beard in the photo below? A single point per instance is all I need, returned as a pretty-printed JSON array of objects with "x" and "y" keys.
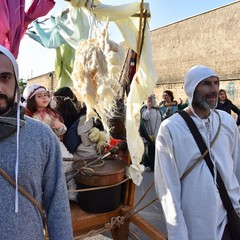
[
  {"x": 202, "y": 101},
  {"x": 9, "y": 103}
]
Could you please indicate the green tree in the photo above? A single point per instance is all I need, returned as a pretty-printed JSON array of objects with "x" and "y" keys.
[{"x": 22, "y": 84}]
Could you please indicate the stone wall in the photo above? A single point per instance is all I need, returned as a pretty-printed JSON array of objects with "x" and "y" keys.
[
  {"x": 49, "y": 81},
  {"x": 211, "y": 38},
  {"x": 232, "y": 88}
]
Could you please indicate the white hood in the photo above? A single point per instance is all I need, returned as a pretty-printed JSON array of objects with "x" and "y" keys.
[
  {"x": 193, "y": 77},
  {"x": 12, "y": 59},
  {"x": 10, "y": 56}
]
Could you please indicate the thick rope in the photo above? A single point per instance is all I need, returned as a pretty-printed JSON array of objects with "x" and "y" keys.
[
  {"x": 98, "y": 188},
  {"x": 117, "y": 222}
]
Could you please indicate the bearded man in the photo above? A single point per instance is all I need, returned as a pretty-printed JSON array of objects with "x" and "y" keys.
[
  {"x": 30, "y": 160},
  {"x": 192, "y": 205}
]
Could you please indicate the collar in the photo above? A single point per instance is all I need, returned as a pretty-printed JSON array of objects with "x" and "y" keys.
[{"x": 8, "y": 122}]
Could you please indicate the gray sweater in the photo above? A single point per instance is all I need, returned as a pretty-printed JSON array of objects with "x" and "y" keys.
[{"x": 40, "y": 174}]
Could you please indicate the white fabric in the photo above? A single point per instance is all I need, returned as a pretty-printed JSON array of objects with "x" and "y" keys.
[
  {"x": 152, "y": 120},
  {"x": 64, "y": 151},
  {"x": 10, "y": 56},
  {"x": 193, "y": 77},
  {"x": 144, "y": 80},
  {"x": 71, "y": 184},
  {"x": 193, "y": 208},
  {"x": 87, "y": 148}
]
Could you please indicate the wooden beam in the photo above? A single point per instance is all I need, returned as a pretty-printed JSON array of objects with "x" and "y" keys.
[{"x": 151, "y": 231}]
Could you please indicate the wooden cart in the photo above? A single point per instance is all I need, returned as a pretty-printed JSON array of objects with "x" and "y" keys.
[{"x": 84, "y": 222}]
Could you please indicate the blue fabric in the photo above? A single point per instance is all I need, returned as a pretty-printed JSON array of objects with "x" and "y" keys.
[
  {"x": 63, "y": 33},
  {"x": 163, "y": 110},
  {"x": 71, "y": 139}
]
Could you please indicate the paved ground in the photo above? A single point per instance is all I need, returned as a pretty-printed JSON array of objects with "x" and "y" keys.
[{"x": 152, "y": 213}]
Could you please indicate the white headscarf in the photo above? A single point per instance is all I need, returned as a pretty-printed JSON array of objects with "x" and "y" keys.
[
  {"x": 193, "y": 77},
  {"x": 10, "y": 56},
  {"x": 7, "y": 53},
  {"x": 32, "y": 90}
]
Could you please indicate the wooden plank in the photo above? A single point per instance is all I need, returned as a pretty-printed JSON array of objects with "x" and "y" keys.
[
  {"x": 151, "y": 231},
  {"x": 129, "y": 191},
  {"x": 129, "y": 188},
  {"x": 84, "y": 222}
]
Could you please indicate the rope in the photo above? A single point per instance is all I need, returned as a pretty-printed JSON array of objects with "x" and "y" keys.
[
  {"x": 97, "y": 188},
  {"x": 24, "y": 192},
  {"x": 29, "y": 197},
  {"x": 132, "y": 212},
  {"x": 206, "y": 151},
  {"x": 118, "y": 221},
  {"x": 86, "y": 170}
]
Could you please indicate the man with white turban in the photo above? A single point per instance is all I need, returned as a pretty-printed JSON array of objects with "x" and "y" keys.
[{"x": 192, "y": 206}]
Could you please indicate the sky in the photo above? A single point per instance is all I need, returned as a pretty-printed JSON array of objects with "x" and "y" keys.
[{"x": 35, "y": 60}]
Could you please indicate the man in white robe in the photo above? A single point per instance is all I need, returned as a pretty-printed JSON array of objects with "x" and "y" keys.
[{"x": 192, "y": 207}]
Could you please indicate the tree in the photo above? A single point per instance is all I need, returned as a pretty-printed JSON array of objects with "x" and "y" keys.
[{"x": 22, "y": 84}]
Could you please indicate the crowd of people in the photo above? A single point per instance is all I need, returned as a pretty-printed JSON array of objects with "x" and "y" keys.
[
  {"x": 152, "y": 114},
  {"x": 192, "y": 147}
]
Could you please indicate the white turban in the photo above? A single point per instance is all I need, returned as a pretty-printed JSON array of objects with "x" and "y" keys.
[
  {"x": 193, "y": 77},
  {"x": 10, "y": 56}
]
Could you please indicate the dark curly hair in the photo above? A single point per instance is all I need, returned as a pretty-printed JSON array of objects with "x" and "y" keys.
[
  {"x": 32, "y": 108},
  {"x": 170, "y": 93},
  {"x": 67, "y": 105}
]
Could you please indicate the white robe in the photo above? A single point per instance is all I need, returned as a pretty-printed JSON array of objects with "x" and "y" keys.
[
  {"x": 152, "y": 120},
  {"x": 193, "y": 208}
]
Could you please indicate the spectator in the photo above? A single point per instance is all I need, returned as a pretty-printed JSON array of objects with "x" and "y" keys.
[
  {"x": 38, "y": 107},
  {"x": 84, "y": 138},
  {"x": 67, "y": 105},
  {"x": 149, "y": 125},
  {"x": 225, "y": 104},
  {"x": 168, "y": 106},
  {"x": 65, "y": 102}
]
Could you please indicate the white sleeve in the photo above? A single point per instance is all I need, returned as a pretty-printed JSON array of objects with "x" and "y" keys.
[
  {"x": 168, "y": 185},
  {"x": 146, "y": 114},
  {"x": 236, "y": 153}
]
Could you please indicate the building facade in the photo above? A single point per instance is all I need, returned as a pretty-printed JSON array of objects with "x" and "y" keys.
[
  {"x": 48, "y": 80},
  {"x": 211, "y": 38}
]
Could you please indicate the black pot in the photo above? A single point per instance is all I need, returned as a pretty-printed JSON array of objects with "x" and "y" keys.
[{"x": 99, "y": 201}]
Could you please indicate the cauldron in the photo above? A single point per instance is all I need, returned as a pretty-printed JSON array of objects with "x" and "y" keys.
[{"x": 106, "y": 172}]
